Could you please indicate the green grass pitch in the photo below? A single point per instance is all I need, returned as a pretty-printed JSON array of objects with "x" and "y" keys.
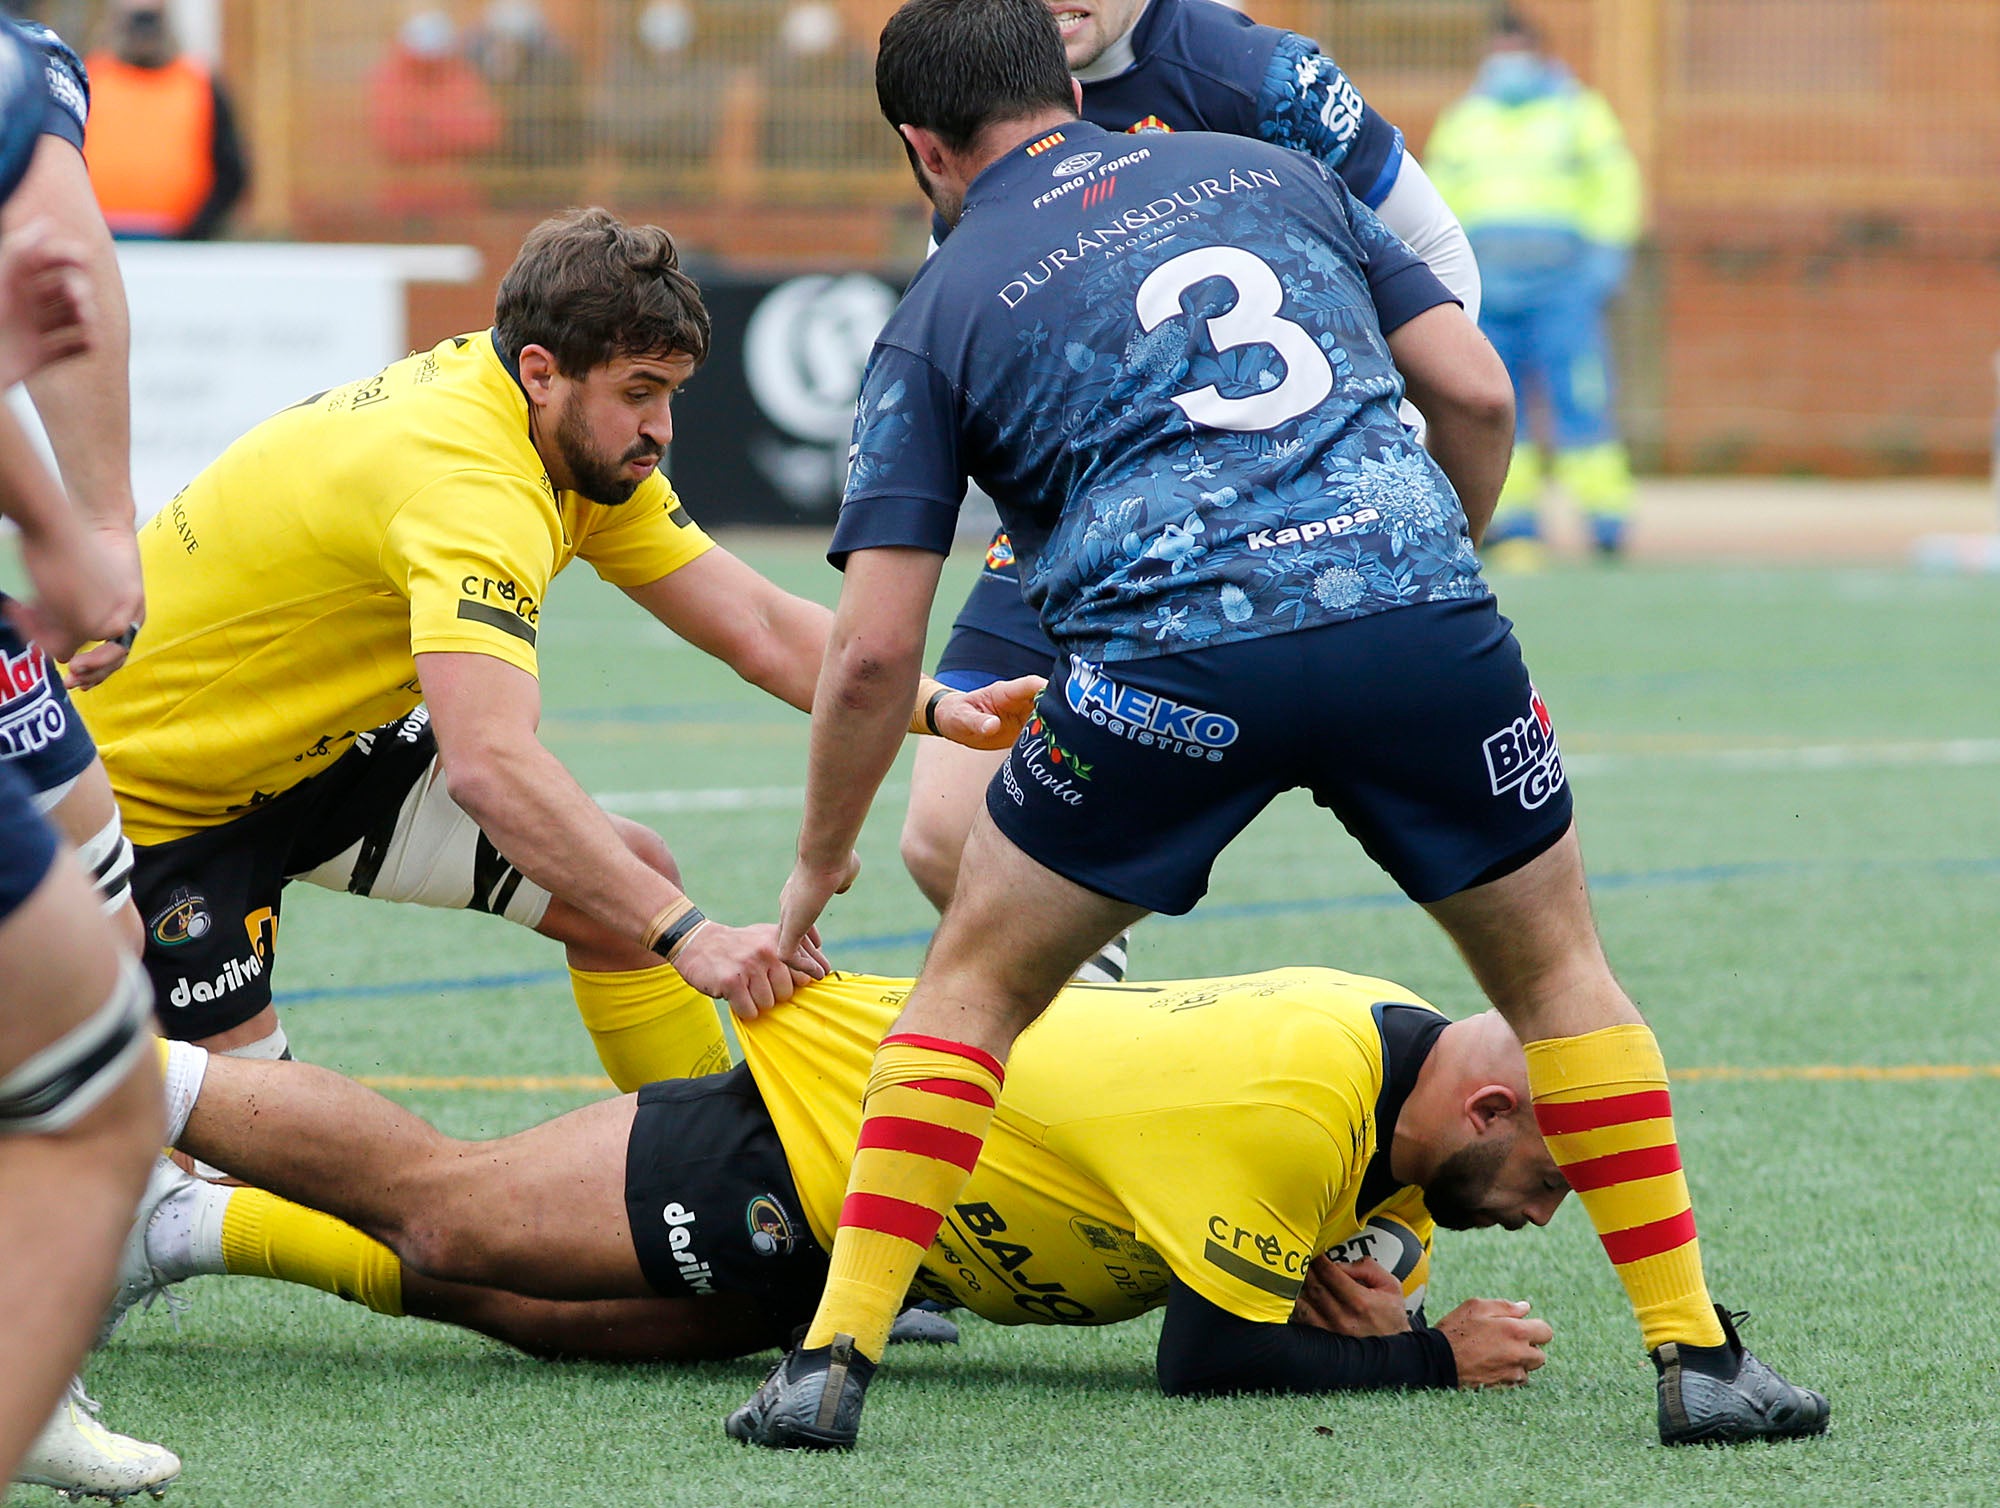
[{"x": 1786, "y": 784}]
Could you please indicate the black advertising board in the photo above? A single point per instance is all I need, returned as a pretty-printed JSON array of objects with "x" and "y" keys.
[{"x": 761, "y": 434}]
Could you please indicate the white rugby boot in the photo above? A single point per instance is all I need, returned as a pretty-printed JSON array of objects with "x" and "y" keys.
[
  {"x": 139, "y": 1277},
  {"x": 81, "y": 1459}
]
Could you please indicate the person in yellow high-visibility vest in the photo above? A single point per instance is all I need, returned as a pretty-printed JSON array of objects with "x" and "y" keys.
[{"x": 1537, "y": 170}]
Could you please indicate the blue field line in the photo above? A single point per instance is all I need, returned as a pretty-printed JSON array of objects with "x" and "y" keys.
[{"x": 1694, "y": 874}]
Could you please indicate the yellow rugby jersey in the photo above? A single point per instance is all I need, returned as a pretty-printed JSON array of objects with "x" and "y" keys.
[
  {"x": 1217, "y": 1129},
  {"x": 289, "y": 585}
]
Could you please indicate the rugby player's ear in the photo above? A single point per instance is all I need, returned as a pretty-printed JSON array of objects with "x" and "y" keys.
[
  {"x": 538, "y": 374},
  {"x": 1076, "y": 92},
  {"x": 926, "y": 147},
  {"x": 1490, "y": 1104}
]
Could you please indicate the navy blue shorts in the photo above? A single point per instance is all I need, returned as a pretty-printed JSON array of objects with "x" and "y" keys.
[
  {"x": 27, "y": 843},
  {"x": 1417, "y": 727},
  {"x": 41, "y": 737},
  {"x": 996, "y": 636}
]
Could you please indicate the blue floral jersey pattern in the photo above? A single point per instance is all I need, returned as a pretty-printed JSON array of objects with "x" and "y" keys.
[
  {"x": 1199, "y": 66},
  {"x": 1164, "y": 358}
]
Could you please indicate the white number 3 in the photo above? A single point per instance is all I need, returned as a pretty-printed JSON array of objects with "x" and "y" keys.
[{"x": 1253, "y": 321}]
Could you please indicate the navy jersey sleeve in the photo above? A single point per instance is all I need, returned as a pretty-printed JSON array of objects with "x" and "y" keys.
[
  {"x": 905, "y": 478},
  {"x": 1308, "y": 103},
  {"x": 24, "y": 98},
  {"x": 68, "y": 85}
]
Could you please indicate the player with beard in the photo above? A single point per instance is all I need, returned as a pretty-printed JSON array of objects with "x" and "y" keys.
[
  {"x": 338, "y": 678},
  {"x": 1152, "y": 66},
  {"x": 1255, "y": 1154}
]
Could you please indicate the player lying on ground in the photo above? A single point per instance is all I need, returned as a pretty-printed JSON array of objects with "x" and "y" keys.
[
  {"x": 1194, "y": 1144},
  {"x": 338, "y": 680}
]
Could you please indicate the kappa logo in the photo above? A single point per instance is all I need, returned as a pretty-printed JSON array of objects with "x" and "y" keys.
[
  {"x": 184, "y": 919},
  {"x": 1523, "y": 756},
  {"x": 771, "y": 1233},
  {"x": 680, "y": 1238},
  {"x": 1076, "y": 162}
]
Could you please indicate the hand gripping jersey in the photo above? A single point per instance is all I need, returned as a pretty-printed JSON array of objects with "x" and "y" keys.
[
  {"x": 290, "y": 584},
  {"x": 1165, "y": 359},
  {"x": 1221, "y": 1130}
]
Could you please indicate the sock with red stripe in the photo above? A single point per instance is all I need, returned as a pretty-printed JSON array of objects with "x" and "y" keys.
[
  {"x": 1602, "y": 1103},
  {"x": 923, "y": 1121}
]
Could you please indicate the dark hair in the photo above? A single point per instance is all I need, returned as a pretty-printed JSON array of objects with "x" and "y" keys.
[
  {"x": 1511, "y": 24},
  {"x": 589, "y": 287},
  {"x": 957, "y": 66}
]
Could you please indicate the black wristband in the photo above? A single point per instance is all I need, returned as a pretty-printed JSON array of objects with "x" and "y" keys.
[
  {"x": 678, "y": 933},
  {"x": 930, "y": 709}
]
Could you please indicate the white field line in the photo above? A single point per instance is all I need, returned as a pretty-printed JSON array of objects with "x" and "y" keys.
[{"x": 1782, "y": 759}]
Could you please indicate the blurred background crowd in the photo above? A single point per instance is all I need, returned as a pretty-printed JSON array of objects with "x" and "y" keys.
[{"x": 1803, "y": 233}]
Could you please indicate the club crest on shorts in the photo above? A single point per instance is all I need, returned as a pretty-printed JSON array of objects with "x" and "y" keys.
[
  {"x": 1000, "y": 554},
  {"x": 184, "y": 919},
  {"x": 1523, "y": 757},
  {"x": 771, "y": 1233}
]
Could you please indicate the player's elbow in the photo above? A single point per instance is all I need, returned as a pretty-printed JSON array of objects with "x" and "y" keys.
[{"x": 475, "y": 773}]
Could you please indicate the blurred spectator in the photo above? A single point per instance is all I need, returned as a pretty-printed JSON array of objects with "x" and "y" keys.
[
  {"x": 1537, "y": 169},
  {"x": 429, "y": 112},
  {"x": 161, "y": 140},
  {"x": 664, "y": 98},
  {"x": 820, "y": 106},
  {"x": 536, "y": 81}
]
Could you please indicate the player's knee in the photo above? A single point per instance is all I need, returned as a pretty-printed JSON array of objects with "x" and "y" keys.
[
  {"x": 649, "y": 846},
  {"x": 931, "y": 853}
]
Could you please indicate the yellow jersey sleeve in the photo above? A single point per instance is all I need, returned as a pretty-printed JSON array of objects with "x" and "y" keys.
[
  {"x": 645, "y": 538},
  {"x": 1235, "y": 1199},
  {"x": 474, "y": 552}
]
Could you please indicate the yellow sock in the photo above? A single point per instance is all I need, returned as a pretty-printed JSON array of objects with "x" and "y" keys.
[
  {"x": 924, "y": 1119},
  {"x": 1602, "y": 1103},
  {"x": 649, "y": 1024},
  {"x": 264, "y": 1236}
]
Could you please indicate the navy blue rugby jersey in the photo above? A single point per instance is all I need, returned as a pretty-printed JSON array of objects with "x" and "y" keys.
[
  {"x": 68, "y": 85},
  {"x": 1164, "y": 357},
  {"x": 24, "y": 105},
  {"x": 1199, "y": 66}
]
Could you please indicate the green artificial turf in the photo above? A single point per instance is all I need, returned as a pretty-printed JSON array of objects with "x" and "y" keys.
[{"x": 1786, "y": 784}]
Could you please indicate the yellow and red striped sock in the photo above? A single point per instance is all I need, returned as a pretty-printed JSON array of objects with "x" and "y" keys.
[
  {"x": 924, "y": 1120},
  {"x": 1602, "y": 1103}
]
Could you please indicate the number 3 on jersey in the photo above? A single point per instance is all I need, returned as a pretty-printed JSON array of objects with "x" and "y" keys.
[{"x": 1254, "y": 320}]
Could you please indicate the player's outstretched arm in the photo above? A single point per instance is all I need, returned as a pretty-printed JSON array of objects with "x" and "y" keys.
[
  {"x": 1458, "y": 383},
  {"x": 84, "y": 401},
  {"x": 777, "y": 642},
  {"x": 484, "y": 712},
  {"x": 861, "y": 709}
]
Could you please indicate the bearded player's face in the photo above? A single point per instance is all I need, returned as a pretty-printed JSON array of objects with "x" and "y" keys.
[
  {"x": 615, "y": 422},
  {"x": 1090, "y": 26}
]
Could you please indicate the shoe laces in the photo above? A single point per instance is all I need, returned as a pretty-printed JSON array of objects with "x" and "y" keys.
[{"x": 83, "y": 1400}]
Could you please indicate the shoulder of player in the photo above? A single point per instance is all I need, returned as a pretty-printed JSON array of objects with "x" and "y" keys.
[
  {"x": 67, "y": 78},
  {"x": 1213, "y": 42}
]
